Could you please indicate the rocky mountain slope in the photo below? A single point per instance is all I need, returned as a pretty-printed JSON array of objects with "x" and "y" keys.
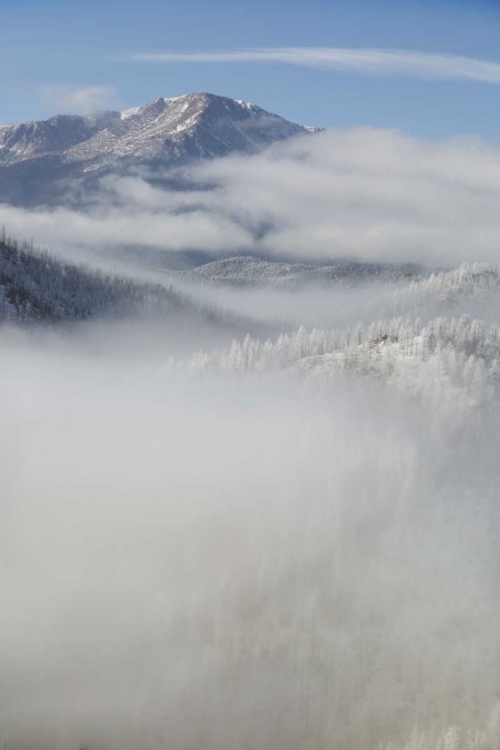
[{"x": 38, "y": 158}]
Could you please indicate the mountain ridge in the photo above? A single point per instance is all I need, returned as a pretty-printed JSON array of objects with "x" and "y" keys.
[
  {"x": 247, "y": 271},
  {"x": 163, "y": 133}
]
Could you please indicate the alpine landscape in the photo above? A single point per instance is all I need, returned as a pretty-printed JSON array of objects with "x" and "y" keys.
[{"x": 250, "y": 376}]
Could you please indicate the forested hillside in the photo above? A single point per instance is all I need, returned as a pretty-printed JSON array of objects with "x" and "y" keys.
[
  {"x": 250, "y": 272},
  {"x": 38, "y": 287},
  {"x": 449, "y": 357}
]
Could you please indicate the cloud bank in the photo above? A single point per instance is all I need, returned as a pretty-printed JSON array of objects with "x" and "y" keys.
[
  {"x": 366, "y": 194},
  {"x": 384, "y": 62}
]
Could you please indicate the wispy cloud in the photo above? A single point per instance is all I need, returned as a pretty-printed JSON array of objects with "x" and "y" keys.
[
  {"x": 80, "y": 100},
  {"x": 371, "y": 61}
]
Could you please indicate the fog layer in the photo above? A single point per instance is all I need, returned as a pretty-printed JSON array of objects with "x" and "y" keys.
[
  {"x": 239, "y": 561},
  {"x": 366, "y": 194}
]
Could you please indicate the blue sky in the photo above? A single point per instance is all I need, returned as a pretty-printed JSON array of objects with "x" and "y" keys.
[{"x": 57, "y": 56}]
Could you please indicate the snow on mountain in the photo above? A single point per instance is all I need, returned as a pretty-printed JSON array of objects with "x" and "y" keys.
[
  {"x": 162, "y": 133},
  {"x": 34, "y": 139}
]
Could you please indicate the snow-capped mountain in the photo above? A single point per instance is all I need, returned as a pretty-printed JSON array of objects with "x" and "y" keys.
[{"x": 162, "y": 133}]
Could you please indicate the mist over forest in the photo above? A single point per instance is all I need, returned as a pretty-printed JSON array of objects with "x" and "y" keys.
[
  {"x": 287, "y": 540},
  {"x": 250, "y": 401}
]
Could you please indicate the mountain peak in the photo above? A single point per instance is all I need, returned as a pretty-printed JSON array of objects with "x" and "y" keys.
[
  {"x": 194, "y": 104},
  {"x": 162, "y": 133}
]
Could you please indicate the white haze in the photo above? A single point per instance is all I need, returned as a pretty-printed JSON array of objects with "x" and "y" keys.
[
  {"x": 80, "y": 100},
  {"x": 240, "y": 560},
  {"x": 367, "y": 194},
  {"x": 258, "y": 559},
  {"x": 308, "y": 305}
]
